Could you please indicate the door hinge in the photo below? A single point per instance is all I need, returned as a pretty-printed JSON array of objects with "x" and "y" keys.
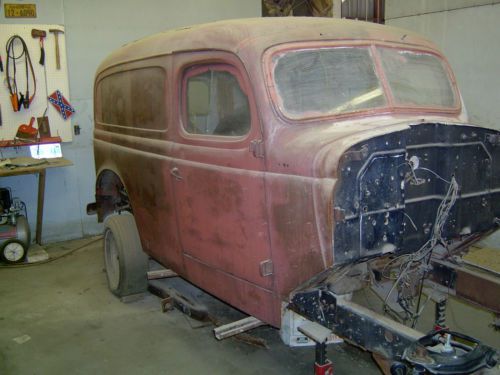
[
  {"x": 266, "y": 268},
  {"x": 257, "y": 148}
]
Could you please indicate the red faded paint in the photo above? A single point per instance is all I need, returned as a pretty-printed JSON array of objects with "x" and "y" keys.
[{"x": 212, "y": 209}]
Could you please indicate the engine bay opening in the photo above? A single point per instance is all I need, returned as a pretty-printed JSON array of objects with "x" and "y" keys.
[{"x": 413, "y": 189}]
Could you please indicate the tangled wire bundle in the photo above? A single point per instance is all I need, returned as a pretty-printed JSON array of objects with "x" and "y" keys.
[{"x": 415, "y": 265}]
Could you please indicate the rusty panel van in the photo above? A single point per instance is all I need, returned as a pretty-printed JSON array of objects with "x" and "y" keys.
[{"x": 261, "y": 159}]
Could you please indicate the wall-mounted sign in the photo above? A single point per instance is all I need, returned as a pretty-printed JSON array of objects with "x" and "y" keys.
[{"x": 20, "y": 10}]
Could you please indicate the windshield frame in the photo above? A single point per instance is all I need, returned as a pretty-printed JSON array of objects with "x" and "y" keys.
[{"x": 391, "y": 106}]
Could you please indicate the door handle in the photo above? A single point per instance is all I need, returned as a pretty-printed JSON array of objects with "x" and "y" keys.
[{"x": 175, "y": 172}]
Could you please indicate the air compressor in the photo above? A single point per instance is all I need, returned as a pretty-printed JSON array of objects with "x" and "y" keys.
[{"x": 15, "y": 236}]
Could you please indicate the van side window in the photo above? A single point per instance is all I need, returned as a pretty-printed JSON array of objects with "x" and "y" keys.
[
  {"x": 215, "y": 103},
  {"x": 133, "y": 98}
]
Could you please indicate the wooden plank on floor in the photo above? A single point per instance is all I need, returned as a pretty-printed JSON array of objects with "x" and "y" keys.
[
  {"x": 237, "y": 327},
  {"x": 161, "y": 274}
]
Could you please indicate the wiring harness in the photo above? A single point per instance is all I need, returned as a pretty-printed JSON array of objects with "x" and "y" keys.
[{"x": 414, "y": 267}]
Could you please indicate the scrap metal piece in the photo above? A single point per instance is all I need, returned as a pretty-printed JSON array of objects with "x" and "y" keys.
[
  {"x": 251, "y": 340},
  {"x": 172, "y": 298},
  {"x": 237, "y": 327},
  {"x": 166, "y": 304},
  {"x": 161, "y": 274}
]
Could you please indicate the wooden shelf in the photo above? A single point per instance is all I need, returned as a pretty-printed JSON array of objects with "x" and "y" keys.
[{"x": 22, "y": 142}]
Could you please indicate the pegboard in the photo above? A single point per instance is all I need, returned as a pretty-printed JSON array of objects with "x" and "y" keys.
[{"x": 56, "y": 80}]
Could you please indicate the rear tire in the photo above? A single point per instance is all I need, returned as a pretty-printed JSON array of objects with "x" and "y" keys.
[{"x": 126, "y": 263}]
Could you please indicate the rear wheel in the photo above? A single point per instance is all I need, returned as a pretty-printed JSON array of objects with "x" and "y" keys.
[{"x": 126, "y": 263}]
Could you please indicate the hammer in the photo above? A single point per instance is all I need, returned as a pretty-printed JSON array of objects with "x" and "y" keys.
[
  {"x": 35, "y": 33},
  {"x": 56, "y": 35}
]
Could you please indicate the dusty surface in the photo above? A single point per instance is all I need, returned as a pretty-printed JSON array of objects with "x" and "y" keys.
[
  {"x": 59, "y": 318},
  {"x": 484, "y": 257}
]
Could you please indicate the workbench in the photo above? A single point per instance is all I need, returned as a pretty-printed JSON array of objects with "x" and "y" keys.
[{"x": 40, "y": 169}]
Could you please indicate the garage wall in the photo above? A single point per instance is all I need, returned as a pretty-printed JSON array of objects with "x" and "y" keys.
[
  {"x": 468, "y": 32},
  {"x": 93, "y": 29}
]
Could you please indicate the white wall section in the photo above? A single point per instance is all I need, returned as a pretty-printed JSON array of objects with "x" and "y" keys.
[
  {"x": 469, "y": 36},
  {"x": 468, "y": 32},
  {"x": 95, "y": 28}
]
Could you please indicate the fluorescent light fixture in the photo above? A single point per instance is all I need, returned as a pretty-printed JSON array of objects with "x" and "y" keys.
[{"x": 46, "y": 151}]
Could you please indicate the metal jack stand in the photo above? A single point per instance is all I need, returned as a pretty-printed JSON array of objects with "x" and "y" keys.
[{"x": 320, "y": 335}]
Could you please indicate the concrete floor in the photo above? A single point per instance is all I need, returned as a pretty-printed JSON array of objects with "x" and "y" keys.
[{"x": 59, "y": 318}]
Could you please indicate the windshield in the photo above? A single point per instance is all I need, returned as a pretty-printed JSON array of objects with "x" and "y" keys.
[
  {"x": 418, "y": 79},
  {"x": 331, "y": 81}
]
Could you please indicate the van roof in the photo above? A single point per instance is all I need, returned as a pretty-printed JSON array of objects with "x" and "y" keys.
[{"x": 257, "y": 34}]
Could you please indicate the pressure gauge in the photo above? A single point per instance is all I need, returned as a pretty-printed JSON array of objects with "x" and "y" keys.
[{"x": 13, "y": 252}]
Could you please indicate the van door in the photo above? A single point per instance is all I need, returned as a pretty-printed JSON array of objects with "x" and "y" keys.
[
  {"x": 130, "y": 138},
  {"x": 218, "y": 176}
]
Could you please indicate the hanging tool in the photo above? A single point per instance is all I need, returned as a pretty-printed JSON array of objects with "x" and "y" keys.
[
  {"x": 40, "y": 34},
  {"x": 28, "y": 132},
  {"x": 56, "y": 33},
  {"x": 1, "y": 64},
  {"x": 43, "y": 122},
  {"x": 19, "y": 100},
  {"x": 14, "y": 100}
]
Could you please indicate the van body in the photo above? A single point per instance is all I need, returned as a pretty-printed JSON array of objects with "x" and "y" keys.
[{"x": 259, "y": 156}]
